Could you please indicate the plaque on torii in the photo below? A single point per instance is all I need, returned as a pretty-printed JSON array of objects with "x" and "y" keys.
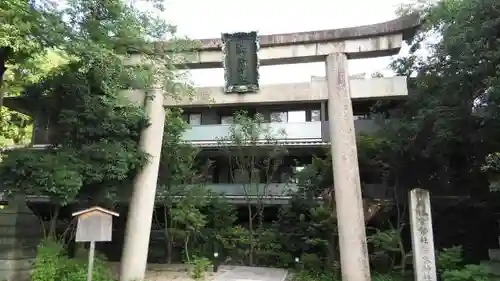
[{"x": 241, "y": 62}]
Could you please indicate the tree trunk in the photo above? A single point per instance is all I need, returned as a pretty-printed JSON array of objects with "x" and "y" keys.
[
  {"x": 168, "y": 234},
  {"x": 186, "y": 249},
  {"x": 4, "y": 55},
  {"x": 332, "y": 249},
  {"x": 169, "y": 249},
  {"x": 250, "y": 238},
  {"x": 52, "y": 233}
]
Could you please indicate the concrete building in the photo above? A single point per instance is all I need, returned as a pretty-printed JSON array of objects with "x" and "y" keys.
[
  {"x": 297, "y": 109},
  {"x": 312, "y": 115}
]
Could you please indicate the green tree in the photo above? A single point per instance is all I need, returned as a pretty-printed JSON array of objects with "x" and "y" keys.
[
  {"x": 254, "y": 155},
  {"x": 16, "y": 127},
  {"x": 26, "y": 29},
  {"x": 187, "y": 217},
  {"x": 178, "y": 177},
  {"x": 94, "y": 135},
  {"x": 450, "y": 123}
]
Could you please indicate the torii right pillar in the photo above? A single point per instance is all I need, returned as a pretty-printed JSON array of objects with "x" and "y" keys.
[{"x": 348, "y": 199}]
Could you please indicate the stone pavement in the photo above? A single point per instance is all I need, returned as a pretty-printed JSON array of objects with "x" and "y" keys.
[
  {"x": 178, "y": 272},
  {"x": 247, "y": 273}
]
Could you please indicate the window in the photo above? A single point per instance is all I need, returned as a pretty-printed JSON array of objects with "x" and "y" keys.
[
  {"x": 297, "y": 116},
  {"x": 315, "y": 115},
  {"x": 226, "y": 120},
  {"x": 279, "y": 117},
  {"x": 296, "y": 170},
  {"x": 194, "y": 119}
]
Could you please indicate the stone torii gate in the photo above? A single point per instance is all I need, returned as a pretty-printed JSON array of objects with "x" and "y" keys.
[{"x": 334, "y": 47}]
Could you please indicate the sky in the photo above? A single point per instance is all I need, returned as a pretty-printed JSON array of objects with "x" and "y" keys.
[{"x": 200, "y": 19}]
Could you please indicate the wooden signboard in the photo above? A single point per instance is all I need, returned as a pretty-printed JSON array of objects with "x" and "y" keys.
[
  {"x": 94, "y": 225},
  {"x": 241, "y": 62}
]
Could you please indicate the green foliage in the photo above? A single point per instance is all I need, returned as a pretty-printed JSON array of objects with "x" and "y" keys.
[
  {"x": 15, "y": 127},
  {"x": 254, "y": 154},
  {"x": 186, "y": 216},
  {"x": 236, "y": 244},
  {"x": 199, "y": 267},
  {"x": 23, "y": 28},
  {"x": 26, "y": 31},
  {"x": 449, "y": 259},
  {"x": 179, "y": 177},
  {"x": 306, "y": 226},
  {"x": 94, "y": 133},
  {"x": 24, "y": 171},
  {"x": 312, "y": 262},
  {"x": 492, "y": 168},
  {"x": 178, "y": 159},
  {"x": 305, "y": 275},
  {"x": 95, "y": 140},
  {"x": 449, "y": 123},
  {"x": 388, "y": 277},
  {"x": 451, "y": 267},
  {"x": 317, "y": 177},
  {"x": 388, "y": 249},
  {"x": 470, "y": 272},
  {"x": 221, "y": 216},
  {"x": 51, "y": 263}
]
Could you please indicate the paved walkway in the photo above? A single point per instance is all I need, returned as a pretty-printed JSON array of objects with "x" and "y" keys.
[
  {"x": 178, "y": 272},
  {"x": 247, "y": 273}
]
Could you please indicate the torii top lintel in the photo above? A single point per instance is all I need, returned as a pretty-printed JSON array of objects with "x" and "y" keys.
[
  {"x": 381, "y": 39},
  {"x": 405, "y": 25}
]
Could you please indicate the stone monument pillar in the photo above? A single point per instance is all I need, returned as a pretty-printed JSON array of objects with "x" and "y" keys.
[
  {"x": 424, "y": 260},
  {"x": 136, "y": 245},
  {"x": 20, "y": 233},
  {"x": 348, "y": 200}
]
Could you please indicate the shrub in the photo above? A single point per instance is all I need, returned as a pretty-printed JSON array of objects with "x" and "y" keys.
[
  {"x": 52, "y": 263},
  {"x": 451, "y": 267},
  {"x": 470, "y": 272},
  {"x": 199, "y": 267}
]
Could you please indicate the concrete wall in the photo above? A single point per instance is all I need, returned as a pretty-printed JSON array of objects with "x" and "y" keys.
[
  {"x": 20, "y": 233},
  {"x": 361, "y": 89}
]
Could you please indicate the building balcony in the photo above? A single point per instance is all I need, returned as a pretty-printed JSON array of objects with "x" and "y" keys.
[
  {"x": 300, "y": 134},
  {"x": 292, "y": 134},
  {"x": 271, "y": 193}
]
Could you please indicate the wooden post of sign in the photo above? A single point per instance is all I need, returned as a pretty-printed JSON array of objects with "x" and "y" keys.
[
  {"x": 91, "y": 260},
  {"x": 94, "y": 225}
]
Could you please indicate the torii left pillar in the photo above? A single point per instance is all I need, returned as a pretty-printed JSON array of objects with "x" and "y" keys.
[{"x": 137, "y": 233}]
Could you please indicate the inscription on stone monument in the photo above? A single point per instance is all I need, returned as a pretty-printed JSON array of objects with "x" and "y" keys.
[
  {"x": 424, "y": 260},
  {"x": 241, "y": 63}
]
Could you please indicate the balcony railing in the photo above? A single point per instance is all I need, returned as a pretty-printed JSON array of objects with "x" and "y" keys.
[
  {"x": 304, "y": 132},
  {"x": 300, "y": 132}
]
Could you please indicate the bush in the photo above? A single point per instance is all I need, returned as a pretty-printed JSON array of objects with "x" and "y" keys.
[
  {"x": 307, "y": 275},
  {"x": 470, "y": 272},
  {"x": 451, "y": 267},
  {"x": 199, "y": 267},
  {"x": 52, "y": 263}
]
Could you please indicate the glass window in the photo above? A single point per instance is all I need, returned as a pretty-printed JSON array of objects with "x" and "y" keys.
[
  {"x": 279, "y": 117},
  {"x": 297, "y": 116},
  {"x": 294, "y": 178},
  {"x": 195, "y": 119},
  {"x": 315, "y": 115},
  {"x": 226, "y": 120}
]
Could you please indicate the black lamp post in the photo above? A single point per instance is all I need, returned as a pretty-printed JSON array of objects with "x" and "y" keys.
[{"x": 216, "y": 262}]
